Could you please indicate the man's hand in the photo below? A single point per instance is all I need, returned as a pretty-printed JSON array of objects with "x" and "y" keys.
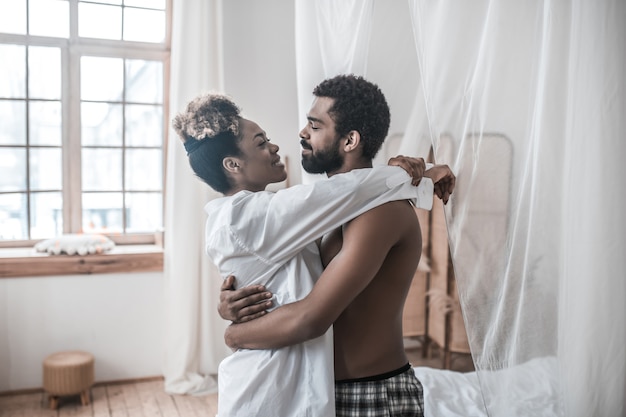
[
  {"x": 443, "y": 179},
  {"x": 414, "y": 166},
  {"x": 242, "y": 305}
]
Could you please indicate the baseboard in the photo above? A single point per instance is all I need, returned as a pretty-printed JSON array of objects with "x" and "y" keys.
[{"x": 27, "y": 391}]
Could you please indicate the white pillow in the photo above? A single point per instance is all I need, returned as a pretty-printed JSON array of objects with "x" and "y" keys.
[{"x": 75, "y": 245}]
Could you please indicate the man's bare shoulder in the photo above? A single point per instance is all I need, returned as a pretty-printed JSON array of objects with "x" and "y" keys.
[
  {"x": 388, "y": 211},
  {"x": 392, "y": 216}
]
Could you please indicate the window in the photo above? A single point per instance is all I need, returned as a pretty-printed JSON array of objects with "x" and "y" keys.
[{"x": 83, "y": 101}]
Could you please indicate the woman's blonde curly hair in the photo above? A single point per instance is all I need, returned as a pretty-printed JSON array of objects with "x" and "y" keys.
[{"x": 207, "y": 116}]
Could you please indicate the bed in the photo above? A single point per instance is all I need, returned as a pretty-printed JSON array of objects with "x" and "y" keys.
[{"x": 529, "y": 389}]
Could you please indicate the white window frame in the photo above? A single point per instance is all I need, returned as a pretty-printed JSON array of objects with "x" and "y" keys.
[
  {"x": 135, "y": 252},
  {"x": 72, "y": 49}
]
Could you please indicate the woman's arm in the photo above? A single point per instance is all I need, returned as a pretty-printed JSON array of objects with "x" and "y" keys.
[
  {"x": 248, "y": 303},
  {"x": 277, "y": 226}
]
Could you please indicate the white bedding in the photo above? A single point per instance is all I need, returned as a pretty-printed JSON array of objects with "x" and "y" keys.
[{"x": 529, "y": 389}]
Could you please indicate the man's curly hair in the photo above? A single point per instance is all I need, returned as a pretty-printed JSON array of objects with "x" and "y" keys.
[
  {"x": 209, "y": 129},
  {"x": 359, "y": 105}
]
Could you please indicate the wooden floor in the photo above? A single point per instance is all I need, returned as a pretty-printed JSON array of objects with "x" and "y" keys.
[
  {"x": 147, "y": 399},
  {"x": 139, "y": 399}
]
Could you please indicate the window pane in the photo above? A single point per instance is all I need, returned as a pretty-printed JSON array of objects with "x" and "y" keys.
[
  {"x": 152, "y": 4},
  {"x": 119, "y": 2},
  {"x": 46, "y": 215},
  {"x": 44, "y": 72},
  {"x": 13, "y": 125},
  {"x": 102, "y": 213},
  {"x": 12, "y": 169},
  {"x": 101, "y": 124},
  {"x": 143, "y": 25},
  {"x": 45, "y": 123},
  {"x": 49, "y": 18},
  {"x": 45, "y": 169},
  {"x": 13, "y": 224},
  {"x": 102, "y": 169},
  {"x": 144, "y": 125},
  {"x": 144, "y": 81},
  {"x": 101, "y": 79},
  {"x": 13, "y": 16},
  {"x": 13, "y": 71},
  {"x": 145, "y": 212},
  {"x": 99, "y": 21},
  {"x": 144, "y": 170}
]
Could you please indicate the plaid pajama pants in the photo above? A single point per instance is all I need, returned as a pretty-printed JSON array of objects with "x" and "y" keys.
[{"x": 394, "y": 394}]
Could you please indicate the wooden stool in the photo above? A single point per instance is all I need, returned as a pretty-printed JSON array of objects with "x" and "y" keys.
[{"x": 68, "y": 373}]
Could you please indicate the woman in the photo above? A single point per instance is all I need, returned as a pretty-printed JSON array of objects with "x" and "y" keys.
[{"x": 269, "y": 238}]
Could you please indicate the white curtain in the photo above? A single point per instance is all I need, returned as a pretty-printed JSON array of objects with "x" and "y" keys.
[
  {"x": 526, "y": 101},
  {"x": 332, "y": 38},
  {"x": 194, "y": 345},
  {"x": 592, "y": 313}
]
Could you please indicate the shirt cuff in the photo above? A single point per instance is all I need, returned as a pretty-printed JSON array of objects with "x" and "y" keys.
[
  {"x": 423, "y": 197},
  {"x": 425, "y": 191}
]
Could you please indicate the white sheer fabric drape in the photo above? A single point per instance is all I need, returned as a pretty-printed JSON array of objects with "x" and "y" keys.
[
  {"x": 592, "y": 313},
  {"x": 526, "y": 101},
  {"x": 332, "y": 37},
  {"x": 194, "y": 345}
]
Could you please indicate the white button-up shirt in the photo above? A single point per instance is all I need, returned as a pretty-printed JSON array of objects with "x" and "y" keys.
[{"x": 269, "y": 238}]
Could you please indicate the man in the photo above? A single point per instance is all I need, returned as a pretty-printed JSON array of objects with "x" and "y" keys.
[{"x": 369, "y": 264}]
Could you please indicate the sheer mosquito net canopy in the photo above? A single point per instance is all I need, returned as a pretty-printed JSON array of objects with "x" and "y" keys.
[{"x": 526, "y": 102}]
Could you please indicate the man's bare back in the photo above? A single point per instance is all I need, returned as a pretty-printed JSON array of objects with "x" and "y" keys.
[{"x": 368, "y": 334}]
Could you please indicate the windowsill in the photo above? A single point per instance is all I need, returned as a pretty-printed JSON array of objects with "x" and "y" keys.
[{"x": 26, "y": 262}]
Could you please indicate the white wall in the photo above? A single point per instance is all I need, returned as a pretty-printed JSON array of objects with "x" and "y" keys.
[
  {"x": 260, "y": 70},
  {"x": 116, "y": 317}
]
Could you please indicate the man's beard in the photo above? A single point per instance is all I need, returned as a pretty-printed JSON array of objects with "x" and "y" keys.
[{"x": 323, "y": 161}]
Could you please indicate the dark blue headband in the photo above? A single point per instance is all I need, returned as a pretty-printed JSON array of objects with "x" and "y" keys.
[{"x": 192, "y": 144}]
